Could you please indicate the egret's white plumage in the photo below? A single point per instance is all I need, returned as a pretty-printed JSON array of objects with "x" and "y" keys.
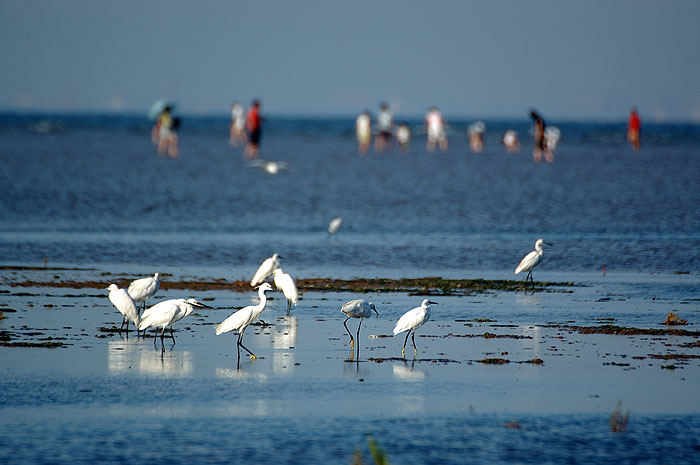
[
  {"x": 285, "y": 283},
  {"x": 125, "y": 304},
  {"x": 335, "y": 224},
  {"x": 412, "y": 320},
  {"x": 143, "y": 289},
  {"x": 267, "y": 267},
  {"x": 358, "y": 308},
  {"x": 271, "y": 167},
  {"x": 531, "y": 260},
  {"x": 241, "y": 319},
  {"x": 167, "y": 313}
]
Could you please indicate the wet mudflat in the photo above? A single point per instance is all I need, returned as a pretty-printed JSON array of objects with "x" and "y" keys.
[{"x": 501, "y": 376}]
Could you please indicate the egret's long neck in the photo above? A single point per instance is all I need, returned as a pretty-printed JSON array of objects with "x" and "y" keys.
[
  {"x": 538, "y": 249},
  {"x": 261, "y": 306}
]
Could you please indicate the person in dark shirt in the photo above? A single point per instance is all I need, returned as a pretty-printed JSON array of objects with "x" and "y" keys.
[{"x": 253, "y": 125}]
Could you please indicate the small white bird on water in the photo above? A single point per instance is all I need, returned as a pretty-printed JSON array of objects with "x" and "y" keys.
[
  {"x": 271, "y": 167},
  {"x": 266, "y": 268},
  {"x": 167, "y": 313},
  {"x": 285, "y": 283},
  {"x": 125, "y": 304},
  {"x": 531, "y": 260},
  {"x": 412, "y": 320},
  {"x": 358, "y": 308},
  {"x": 335, "y": 225},
  {"x": 143, "y": 289},
  {"x": 243, "y": 318}
]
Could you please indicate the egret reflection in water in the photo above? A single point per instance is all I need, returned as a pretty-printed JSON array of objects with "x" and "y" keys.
[
  {"x": 125, "y": 356},
  {"x": 408, "y": 372},
  {"x": 284, "y": 342}
]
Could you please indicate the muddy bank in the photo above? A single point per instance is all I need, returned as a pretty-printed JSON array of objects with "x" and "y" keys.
[
  {"x": 434, "y": 286},
  {"x": 625, "y": 331}
]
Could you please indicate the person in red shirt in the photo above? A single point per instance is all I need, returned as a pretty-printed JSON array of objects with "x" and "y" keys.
[
  {"x": 634, "y": 125},
  {"x": 253, "y": 125}
]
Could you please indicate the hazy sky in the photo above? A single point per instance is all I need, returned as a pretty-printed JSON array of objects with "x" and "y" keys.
[{"x": 570, "y": 59}]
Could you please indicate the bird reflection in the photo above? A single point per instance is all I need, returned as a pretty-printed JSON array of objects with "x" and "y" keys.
[
  {"x": 124, "y": 356},
  {"x": 528, "y": 300},
  {"x": 285, "y": 339},
  {"x": 230, "y": 373},
  {"x": 407, "y": 372},
  {"x": 534, "y": 344}
]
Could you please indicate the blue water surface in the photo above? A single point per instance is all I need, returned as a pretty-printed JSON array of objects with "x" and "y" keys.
[{"x": 91, "y": 189}]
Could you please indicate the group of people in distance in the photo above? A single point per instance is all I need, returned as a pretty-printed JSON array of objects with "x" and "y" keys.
[
  {"x": 245, "y": 127},
  {"x": 545, "y": 138}
]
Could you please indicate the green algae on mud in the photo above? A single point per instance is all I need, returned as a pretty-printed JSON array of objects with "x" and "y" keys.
[{"x": 429, "y": 286}]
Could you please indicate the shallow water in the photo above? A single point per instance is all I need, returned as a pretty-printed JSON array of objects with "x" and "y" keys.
[
  {"x": 91, "y": 190},
  {"x": 108, "y": 398},
  {"x": 90, "y": 194}
]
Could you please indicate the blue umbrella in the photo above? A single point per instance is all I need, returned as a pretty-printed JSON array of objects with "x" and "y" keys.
[{"x": 158, "y": 107}]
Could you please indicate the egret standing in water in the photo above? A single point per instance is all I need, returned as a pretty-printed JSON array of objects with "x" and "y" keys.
[
  {"x": 411, "y": 321},
  {"x": 359, "y": 308},
  {"x": 531, "y": 260},
  {"x": 143, "y": 289},
  {"x": 286, "y": 284},
  {"x": 335, "y": 225},
  {"x": 243, "y": 318},
  {"x": 267, "y": 267},
  {"x": 125, "y": 304},
  {"x": 167, "y": 313}
]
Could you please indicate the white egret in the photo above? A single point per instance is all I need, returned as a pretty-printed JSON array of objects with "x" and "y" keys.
[
  {"x": 412, "y": 320},
  {"x": 271, "y": 167},
  {"x": 285, "y": 283},
  {"x": 167, "y": 313},
  {"x": 335, "y": 225},
  {"x": 125, "y": 304},
  {"x": 241, "y": 319},
  {"x": 531, "y": 260},
  {"x": 358, "y": 308},
  {"x": 267, "y": 267},
  {"x": 143, "y": 289}
]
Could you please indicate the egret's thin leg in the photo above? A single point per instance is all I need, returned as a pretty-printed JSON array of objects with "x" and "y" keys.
[
  {"x": 240, "y": 343},
  {"x": 238, "y": 346},
  {"x": 403, "y": 349},
  {"x": 358, "y": 339},
  {"x": 122, "y": 326},
  {"x": 289, "y": 306},
  {"x": 415, "y": 349},
  {"x": 172, "y": 336},
  {"x": 352, "y": 340}
]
